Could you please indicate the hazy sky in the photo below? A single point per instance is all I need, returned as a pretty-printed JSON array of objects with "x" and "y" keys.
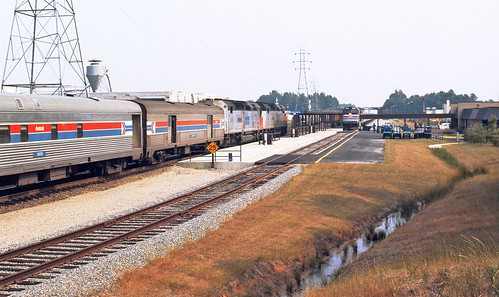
[{"x": 361, "y": 50}]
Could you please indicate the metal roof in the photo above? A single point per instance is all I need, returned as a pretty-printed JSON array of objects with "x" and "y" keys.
[
  {"x": 492, "y": 111},
  {"x": 482, "y": 114},
  {"x": 466, "y": 115}
]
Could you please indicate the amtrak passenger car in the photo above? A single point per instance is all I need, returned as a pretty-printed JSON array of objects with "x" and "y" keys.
[
  {"x": 172, "y": 129},
  {"x": 44, "y": 138},
  {"x": 47, "y": 138}
]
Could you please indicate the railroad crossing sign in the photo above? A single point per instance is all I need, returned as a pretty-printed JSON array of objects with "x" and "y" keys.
[{"x": 212, "y": 147}]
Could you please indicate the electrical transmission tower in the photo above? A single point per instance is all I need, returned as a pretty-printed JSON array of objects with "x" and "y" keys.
[
  {"x": 302, "y": 77},
  {"x": 44, "y": 49}
]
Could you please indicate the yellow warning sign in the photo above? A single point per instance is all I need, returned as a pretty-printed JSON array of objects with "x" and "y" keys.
[{"x": 212, "y": 147}]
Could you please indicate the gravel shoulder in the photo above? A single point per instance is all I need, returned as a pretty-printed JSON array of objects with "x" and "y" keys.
[
  {"x": 25, "y": 226},
  {"x": 102, "y": 274}
]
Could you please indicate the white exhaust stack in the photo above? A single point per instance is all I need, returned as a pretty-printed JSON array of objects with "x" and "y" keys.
[{"x": 97, "y": 77}]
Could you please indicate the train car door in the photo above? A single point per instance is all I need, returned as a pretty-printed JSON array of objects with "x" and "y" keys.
[
  {"x": 136, "y": 131},
  {"x": 209, "y": 127},
  {"x": 172, "y": 123}
]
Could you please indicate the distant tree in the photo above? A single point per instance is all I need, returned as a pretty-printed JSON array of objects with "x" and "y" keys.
[
  {"x": 484, "y": 134},
  {"x": 320, "y": 101},
  {"x": 493, "y": 133},
  {"x": 399, "y": 103}
]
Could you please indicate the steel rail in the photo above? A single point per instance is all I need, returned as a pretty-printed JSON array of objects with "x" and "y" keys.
[
  {"x": 64, "y": 185},
  {"x": 30, "y": 272},
  {"x": 51, "y": 241}
]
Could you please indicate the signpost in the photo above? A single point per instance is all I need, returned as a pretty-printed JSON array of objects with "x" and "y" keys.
[{"x": 213, "y": 148}]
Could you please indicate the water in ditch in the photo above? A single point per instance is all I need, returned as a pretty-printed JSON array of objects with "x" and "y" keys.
[{"x": 349, "y": 253}]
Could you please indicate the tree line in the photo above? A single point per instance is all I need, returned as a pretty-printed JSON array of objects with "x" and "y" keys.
[
  {"x": 292, "y": 101},
  {"x": 484, "y": 134},
  {"x": 399, "y": 103}
]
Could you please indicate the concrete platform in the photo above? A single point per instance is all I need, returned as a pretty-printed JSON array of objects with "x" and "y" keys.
[{"x": 248, "y": 154}]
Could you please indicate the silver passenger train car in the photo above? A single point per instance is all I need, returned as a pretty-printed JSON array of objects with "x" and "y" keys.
[
  {"x": 48, "y": 138},
  {"x": 173, "y": 129}
]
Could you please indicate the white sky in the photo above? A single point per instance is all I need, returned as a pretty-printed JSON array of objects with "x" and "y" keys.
[{"x": 362, "y": 50}]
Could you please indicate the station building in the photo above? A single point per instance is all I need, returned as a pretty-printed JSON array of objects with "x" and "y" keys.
[{"x": 473, "y": 114}]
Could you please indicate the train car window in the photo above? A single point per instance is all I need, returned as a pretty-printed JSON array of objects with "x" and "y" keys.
[
  {"x": 79, "y": 132},
  {"x": 24, "y": 133},
  {"x": 231, "y": 109},
  {"x": 38, "y": 105},
  {"x": 20, "y": 104},
  {"x": 55, "y": 132},
  {"x": 4, "y": 134}
]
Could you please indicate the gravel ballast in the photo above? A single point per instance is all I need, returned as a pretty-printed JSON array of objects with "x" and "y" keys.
[
  {"x": 103, "y": 273},
  {"x": 22, "y": 227}
]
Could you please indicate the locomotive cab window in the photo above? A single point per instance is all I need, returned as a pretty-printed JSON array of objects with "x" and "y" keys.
[
  {"x": 4, "y": 134},
  {"x": 79, "y": 131},
  {"x": 24, "y": 133}
]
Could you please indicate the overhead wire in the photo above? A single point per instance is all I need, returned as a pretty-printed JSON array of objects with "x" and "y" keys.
[
  {"x": 194, "y": 49},
  {"x": 162, "y": 41},
  {"x": 199, "y": 38},
  {"x": 234, "y": 35},
  {"x": 266, "y": 71}
]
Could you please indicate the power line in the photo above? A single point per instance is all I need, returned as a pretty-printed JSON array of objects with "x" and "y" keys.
[
  {"x": 181, "y": 22},
  {"x": 247, "y": 47},
  {"x": 302, "y": 77},
  {"x": 163, "y": 42}
]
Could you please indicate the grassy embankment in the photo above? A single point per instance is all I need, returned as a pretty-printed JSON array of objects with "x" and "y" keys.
[
  {"x": 451, "y": 248},
  {"x": 266, "y": 247}
]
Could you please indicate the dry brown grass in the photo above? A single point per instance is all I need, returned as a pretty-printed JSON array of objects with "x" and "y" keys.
[
  {"x": 321, "y": 202},
  {"x": 451, "y": 248},
  {"x": 476, "y": 155}
]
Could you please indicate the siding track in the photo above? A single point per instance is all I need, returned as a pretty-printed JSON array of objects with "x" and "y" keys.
[{"x": 32, "y": 265}]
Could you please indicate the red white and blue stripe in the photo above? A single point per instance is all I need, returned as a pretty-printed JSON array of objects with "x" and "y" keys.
[
  {"x": 43, "y": 132},
  {"x": 350, "y": 117},
  {"x": 157, "y": 127}
]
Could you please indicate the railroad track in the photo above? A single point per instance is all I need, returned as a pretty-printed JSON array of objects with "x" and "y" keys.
[
  {"x": 36, "y": 263},
  {"x": 12, "y": 198}
]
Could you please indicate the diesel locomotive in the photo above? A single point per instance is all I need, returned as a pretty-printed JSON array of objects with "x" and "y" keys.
[{"x": 351, "y": 118}]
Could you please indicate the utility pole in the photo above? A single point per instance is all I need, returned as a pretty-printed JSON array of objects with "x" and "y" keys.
[
  {"x": 315, "y": 90},
  {"x": 44, "y": 48},
  {"x": 302, "y": 77}
]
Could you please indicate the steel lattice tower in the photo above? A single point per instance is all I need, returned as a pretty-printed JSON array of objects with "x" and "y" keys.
[
  {"x": 44, "y": 49},
  {"x": 302, "y": 77}
]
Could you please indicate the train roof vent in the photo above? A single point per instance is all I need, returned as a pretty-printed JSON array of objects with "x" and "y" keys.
[
  {"x": 153, "y": 98},
  {"x": 38, "y": 105},
  {"x": 20, "y": 104}
]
